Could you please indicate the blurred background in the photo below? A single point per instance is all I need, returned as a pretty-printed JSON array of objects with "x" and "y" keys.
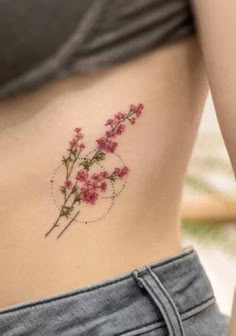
[{"x": 209, "y": 208}]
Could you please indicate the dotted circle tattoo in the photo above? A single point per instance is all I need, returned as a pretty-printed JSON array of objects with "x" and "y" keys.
[
  {"x": 111, "y": 197},
  {"x": 100, "y": 184}
]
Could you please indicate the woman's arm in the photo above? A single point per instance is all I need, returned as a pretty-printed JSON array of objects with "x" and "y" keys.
[{"x": 216, "y": 24}]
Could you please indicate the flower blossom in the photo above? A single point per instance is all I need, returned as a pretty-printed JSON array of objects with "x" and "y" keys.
[
  {"x": 103, "y": 186},
  {"x": 109, "y": 122},
  {"x": 121, "y": 172},
  {"x": 68, "y": 184},
  {"x": 82, "y": 175},
  {"x": 81, "y": 146},
  {"x": 88, "y": 196},
  {"x": 92, "y": 185},
  {"x": 74, "y": 143},
  {"x": 120, "y": 116},
  {"x": 137, "y": 109},
  {"x": 99, "y": 176},
  {"x": 106, "y": 144}
]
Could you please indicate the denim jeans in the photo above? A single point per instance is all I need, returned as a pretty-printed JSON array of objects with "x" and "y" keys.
[{"x": 170, "y": 297}]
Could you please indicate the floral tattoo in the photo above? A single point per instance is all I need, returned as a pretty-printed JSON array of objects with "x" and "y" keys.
[{"x": 83, "y": 185}]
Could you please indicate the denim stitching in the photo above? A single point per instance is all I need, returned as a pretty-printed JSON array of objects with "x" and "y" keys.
[
  {"x": 162, "y": 323},
  {"x": 211, "y": 301},
  {"x": 165, "y": 262},
  {"x": 123, "y": 333}
]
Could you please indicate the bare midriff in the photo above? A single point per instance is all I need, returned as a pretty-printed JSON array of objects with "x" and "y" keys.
[{"x": 143, "y": 224}]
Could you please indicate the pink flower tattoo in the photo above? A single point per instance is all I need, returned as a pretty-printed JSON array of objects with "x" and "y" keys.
[{"x": 81, "y": 185}]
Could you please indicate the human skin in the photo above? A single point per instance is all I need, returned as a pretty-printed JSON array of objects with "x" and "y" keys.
[
  {"x": 144, "y": 224},
  {"x": 216, "y": 24}
]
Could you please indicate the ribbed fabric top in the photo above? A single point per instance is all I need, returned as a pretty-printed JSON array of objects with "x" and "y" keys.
[{"x": 43, "y": 40}]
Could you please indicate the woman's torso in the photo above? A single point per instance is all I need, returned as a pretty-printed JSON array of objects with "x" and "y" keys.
[{"x": 144, "y": 223}]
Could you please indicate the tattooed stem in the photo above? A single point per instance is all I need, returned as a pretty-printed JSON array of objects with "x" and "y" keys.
[
  {"x": 92, "y": 160},
  {"x": 67, "y": 163},
  {"x": 61, "y": 212},
  {"x": 72, "y": 166},
  {"x": 72, "y": 191},
  {"x": 55, "y": 224},
  {"x": 66, "y": 227},
  {"x": 67, "y": 173}
]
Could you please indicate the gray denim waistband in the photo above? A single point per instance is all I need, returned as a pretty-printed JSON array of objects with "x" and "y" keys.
[{"x": 156, "y": 294}]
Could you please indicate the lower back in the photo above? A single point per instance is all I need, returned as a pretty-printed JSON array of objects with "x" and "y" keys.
[{"x": 136, "y": 219}]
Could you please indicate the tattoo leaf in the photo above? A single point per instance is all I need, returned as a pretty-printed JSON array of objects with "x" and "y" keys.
[
  {"x": 63, "y": 189},
  {"x": 100, "y": 156}
]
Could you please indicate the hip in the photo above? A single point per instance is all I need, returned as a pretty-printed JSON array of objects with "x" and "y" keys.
[{"x": 170, "y": 297}]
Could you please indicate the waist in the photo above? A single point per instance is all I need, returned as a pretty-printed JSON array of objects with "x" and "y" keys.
[
  {"x": 32, "y": 268},
  {"x": 181, "y": 275},
  {"x": 144, "y": 215}
]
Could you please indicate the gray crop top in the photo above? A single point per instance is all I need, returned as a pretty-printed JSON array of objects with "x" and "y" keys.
[{"x": 42, "y": 40}]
